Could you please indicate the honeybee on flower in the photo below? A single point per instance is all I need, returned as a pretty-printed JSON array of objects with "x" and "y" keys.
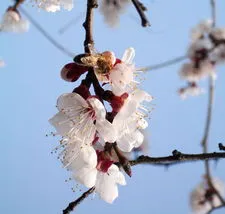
[{"x": 101, "y": 62}]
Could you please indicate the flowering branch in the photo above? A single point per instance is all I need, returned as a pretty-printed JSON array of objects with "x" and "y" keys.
[
  {"x": 73, "y": 204},
  {"x": 177, "y": 157},
  {"x": 141, "y": 11}
]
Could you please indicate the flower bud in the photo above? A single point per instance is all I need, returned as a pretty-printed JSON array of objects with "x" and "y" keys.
[{"x": 72, "y": 71}]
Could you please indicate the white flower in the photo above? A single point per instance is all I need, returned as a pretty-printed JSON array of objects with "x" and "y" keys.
[
  {"x": 218, "y": 33},
  {"x": 192, "y": 74},
  {"x": 99, "y": 172},
  {"x": 112, "y": 9},
  {"x": 218, "y": 54},
  {"x": 121, "y": 76},
  {"x": 192, "y": 90},
  {"x": 198, "y": 46},
  {"x": 81, "y": 119},
  {"x": 105, "y": 182},
  {"x": 54, "y": 5},
  {"x": 12, "y": 22},
  {"x": 202, "y": 28},
  {"x": 202, "y": 196},
  {"x": 130, "y": 119},
  {"x": 118, "y": 73}
]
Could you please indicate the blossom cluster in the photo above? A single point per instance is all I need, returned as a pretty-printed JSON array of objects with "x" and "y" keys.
[
  {"x": 204, "y": 197},
  {"x": 97, "y": 128},
  {"x": 207, "y": 49}
]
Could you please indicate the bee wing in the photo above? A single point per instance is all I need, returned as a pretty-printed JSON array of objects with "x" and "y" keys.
[{"x": 128, "y": 55}]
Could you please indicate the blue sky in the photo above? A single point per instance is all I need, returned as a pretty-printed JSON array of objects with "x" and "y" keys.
[{"x": 32, "y": 179}]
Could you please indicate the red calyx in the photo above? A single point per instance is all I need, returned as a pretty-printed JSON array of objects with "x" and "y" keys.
[
  {"x": 117, "y": 61},
  {"x": 117, "y": 102},
  {"x": 72, "y": 71},
  {"x": 103, "y": 162}
]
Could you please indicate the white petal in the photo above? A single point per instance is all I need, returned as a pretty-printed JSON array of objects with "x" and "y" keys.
[
  {"x": 106, "y": 183},
  {"x": 71, "y": 100},
  {"x": 126, "y": 143},
  {"x": 98, "y": 107},
  {"x": 131, "y": 140},
  {"x": 61, "y": 123},
  {"x": 128, "y": 55},
  {"x": 140, "y": 96},
  {"x": 87, "y": 158},
  {"x": 129, "y": 107},
  {"x": 106, "y": 131},
  {"x": 86, "y": 176},
  {"x": 117, "y": 174},
  {"x": 139, "y": 138}
]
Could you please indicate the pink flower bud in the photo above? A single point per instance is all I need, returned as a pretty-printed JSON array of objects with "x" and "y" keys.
[{"x": 72, "y": 71}]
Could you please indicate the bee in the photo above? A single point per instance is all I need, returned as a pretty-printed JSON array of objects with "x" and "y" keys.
[{"x": 101, "y": 62}]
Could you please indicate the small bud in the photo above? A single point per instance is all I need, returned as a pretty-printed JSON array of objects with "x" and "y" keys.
[{"x": 72, "y": 71}]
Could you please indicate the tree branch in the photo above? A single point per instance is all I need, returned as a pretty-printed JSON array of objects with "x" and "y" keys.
[
  {"x": 73, "y": 204},
  {"x": 177, "y": 157},
  {"x": 141, "y": 11},
  {"x": 88, "y": 26},
  {"x": 215, "y": 208}
]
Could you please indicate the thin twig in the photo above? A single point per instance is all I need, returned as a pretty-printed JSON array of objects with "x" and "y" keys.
[
  {"x": 88, "y": 26},
  {"x": 46, "y": 35},
  {"x": 123, "y": 161},
  {"x": 215, "y": 208},
  {"x": 70, "y": 23},
  {"x": 163, "y": 64},
  {"x": 141, "y": 11},
  {"x": 213, "y": 11},
  {"x": 73, "y": 204},
  {"x": 177, "y": 158},
  {"x": 209, "y": 119},
  {"x": 17, "y": 3}
]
